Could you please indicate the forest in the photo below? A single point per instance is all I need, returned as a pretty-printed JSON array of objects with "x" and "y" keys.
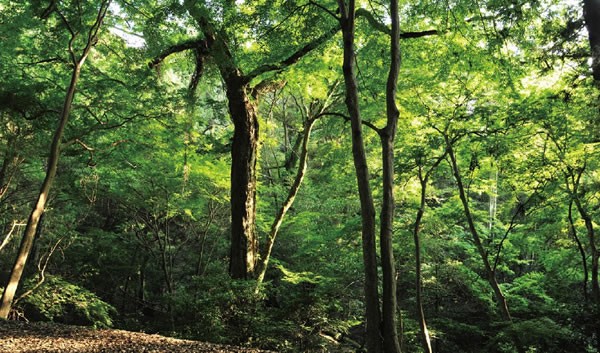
[{"x": 305, "y": 175}]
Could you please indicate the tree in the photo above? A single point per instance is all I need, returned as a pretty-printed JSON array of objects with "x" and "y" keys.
[
  {"x": 77, "y": 61},
  {"x": 217, "y": 44},
  {"x": 388, "y": 331},
  {"x": 373, "y": 313},
  {"x": 424, "y": 172}
]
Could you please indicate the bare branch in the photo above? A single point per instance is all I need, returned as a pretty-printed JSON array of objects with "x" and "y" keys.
[
  {"x": 42, "y": 271},
  {"x": 9, "y": 235}
]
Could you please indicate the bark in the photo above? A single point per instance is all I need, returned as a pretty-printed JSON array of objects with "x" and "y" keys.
[
  {"x": 387, "y": 135},
  {"x": 425, "y": 340},
  {"x": 589, "y": 225},
  {"x": 40, "y": 204},
  {"x": 573, "y": 232},
  {"x": 374, "y": 341},
  {"x": 286, "y": 204},
  {"x": 423, "y": 180},
  {"x": 576, "y": 196},
  {"x": 489, "y": 271},
  {"x": 244, "y": 150},
  {"x": 591, "y": 14}
]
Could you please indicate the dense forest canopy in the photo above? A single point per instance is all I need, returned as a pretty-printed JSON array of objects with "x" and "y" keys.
[{"x": 305, "y": 175}]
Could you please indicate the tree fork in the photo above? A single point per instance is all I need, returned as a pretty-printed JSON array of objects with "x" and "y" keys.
[{"x": 374, "y": 340}]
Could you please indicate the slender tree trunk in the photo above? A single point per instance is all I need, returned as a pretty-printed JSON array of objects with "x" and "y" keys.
[
  {"x": 490, "y": 273},
  {"x": 387, "y": 136},
  {"x": 262, "y": 268},
  {"x": 426, "y": 341},
  {"x": 373, "y": 315},
  {"x": 38, "y": 209},
  {"x": 388, "y": 265},
  {"x": 589, "y": 225},
  {"x": 573, "y": 232},
  {"x": 576, "y": 196},
  {"x": 40, "y": 204}
]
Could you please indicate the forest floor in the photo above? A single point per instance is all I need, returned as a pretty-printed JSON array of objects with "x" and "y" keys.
[{"x": 21, "y": 337}]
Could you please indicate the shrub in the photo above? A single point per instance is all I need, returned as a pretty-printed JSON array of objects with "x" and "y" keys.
[{"x": 61, "y": 301}]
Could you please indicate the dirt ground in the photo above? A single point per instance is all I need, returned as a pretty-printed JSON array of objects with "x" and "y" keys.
[{"x": 21, "y": 337}]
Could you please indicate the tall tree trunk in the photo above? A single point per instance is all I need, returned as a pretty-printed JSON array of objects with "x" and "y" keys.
[
  {"x": 591, "y": 14},
  {"x": 40, "y": 204},
  {"x": 286, "y": 204},
  {"x": 387, "y": 136},
  {"x": 373, "y": 315},
  {"x": 489, "y": 271},
  {"x": 244, "y": 149}
]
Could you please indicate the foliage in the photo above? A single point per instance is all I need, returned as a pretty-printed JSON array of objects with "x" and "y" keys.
[
  {"x": 61, "y": 301},
  {"x": 136, "y": 231}
]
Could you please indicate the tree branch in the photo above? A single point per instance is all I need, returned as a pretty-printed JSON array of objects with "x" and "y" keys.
[
  {"x": 295, "y": 57},
  {"x": 408, "y": 35},
  {"x": 199, "y": 44},
  {"x": 385, "y": 29},
  {"x": 347, "y": 118},
  {"x": 331, "y": 13}
]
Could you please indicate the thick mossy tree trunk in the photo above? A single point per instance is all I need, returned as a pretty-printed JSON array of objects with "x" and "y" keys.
[
  {"x": 40, "y": 204},
  {"x": 244, "y": 150},
  {"x": 374, "y": 340}
]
